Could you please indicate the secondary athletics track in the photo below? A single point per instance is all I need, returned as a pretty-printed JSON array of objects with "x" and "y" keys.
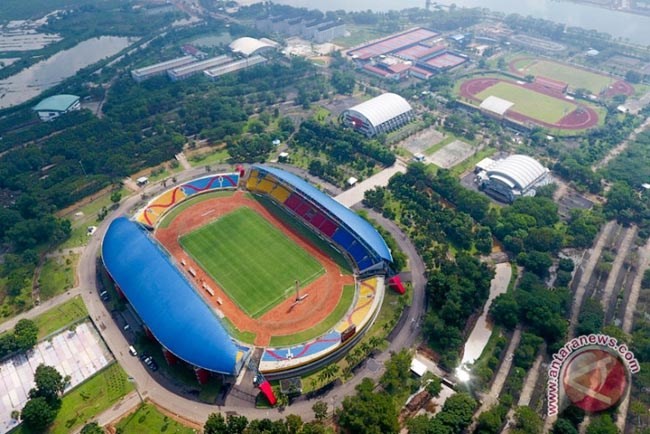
[
  {"x": 579, "y": 119},
  {"x": 324, "y": 292}
]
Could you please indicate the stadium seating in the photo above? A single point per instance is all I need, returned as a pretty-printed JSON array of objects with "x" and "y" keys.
[
  {"x": 280, "y": 193},
  {"x": 328, "y": 228},
  {"x": 343, "y": 238},
  {"x": 358, "y": 252},
  {"x": 293, "y": 201},
  {"x": 303, "y": 209},
  {"x": 228, "y": 180}
]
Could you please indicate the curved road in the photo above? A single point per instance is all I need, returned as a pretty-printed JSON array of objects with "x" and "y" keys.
[{"x": 195, "y": 411}]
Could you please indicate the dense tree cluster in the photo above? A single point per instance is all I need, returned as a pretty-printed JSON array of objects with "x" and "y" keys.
[
  {"x": 44, "y": 399},
  {"x": 369, "y": 411},
  {"x": 454, "y": 418},
  {"x": 23, "y": 338},
  {"x": 232, "y": 424}
]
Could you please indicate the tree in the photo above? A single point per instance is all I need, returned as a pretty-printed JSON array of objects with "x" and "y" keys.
[
  {"x": 37, "y": 414},
  {"x": 216, "y": 424},
  {"x": 343, "y": 82},
  {"x": 49, "y": 383},
  {"x": 116, "y": 196},
  {"x": 564, "y": 426},
  {"x": 368, "y": 412},
  {"x": 504, "y": 310},
  {"x": 490, "y": 422},
  {"x": 92, "y": 428},
  {"x": 633, "y": 77},
  {"x": 25, "y": 334},
  {"x": 320, "y": 410},
  {"x": 398, "y": 372},
  {"x": 457, "y": 412},
  {"x": 527, "y": 421},
  {"x": 602, "y": 424}
]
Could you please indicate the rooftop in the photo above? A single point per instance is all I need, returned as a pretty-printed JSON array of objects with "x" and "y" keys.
[{"x": 56, "y": 103}]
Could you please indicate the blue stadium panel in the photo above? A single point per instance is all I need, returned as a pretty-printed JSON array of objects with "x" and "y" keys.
[
  {"x": 365, "y": 264},
  {"x": 212, "y": 182},
  {"x": 357, "y": 224},
  {"x": 165, "y": 300},
  {"x": 343, "y": 238},
  {"x": 358, "y": 252}
]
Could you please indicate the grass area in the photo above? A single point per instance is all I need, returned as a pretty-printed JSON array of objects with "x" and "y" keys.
[
  {"x": 88, "y": 217},
  {"x": 334, "y": 317},
  {"x": 216, "y": 157},
  {"x": 530, "y": 103},
  {"x": 466, "y": 165},
  {"x": 321, "y": 114},
  {"x": 57, "y": 275},
  {"x": 60, "y": 316},
  {"x": 438, "y": 146},
  {"x": 245, "y": 337},
  {"x": 169, "y": 217},
  {"x": 304, "y": 232},
  {"x": 149, "y": 420},
  {"x": 87, "y": 400},
  {"x": 254, "y": 262},
  {"x": 575, "y": 77}
]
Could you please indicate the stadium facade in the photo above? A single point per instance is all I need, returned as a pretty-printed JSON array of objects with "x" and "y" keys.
[
  {"x": 512, "y": 177},
  {"x": 382, "y": 114},
  {"x": 173, "y": 310}
]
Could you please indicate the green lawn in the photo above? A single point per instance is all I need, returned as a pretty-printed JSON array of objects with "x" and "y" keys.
[
  {"x": 87, "y": 400},
  {"x": 530, "y": 103},
  {"x": 148, "y": 420},
  {"x": 576, "y": 77},
  {"x": 252, "y": 260},
  {"x": 329, "y": 322},
  {"x": 60, "y": 316},
  {"x": 57, "y": 275},
  {"x": 171, "y": 215}
]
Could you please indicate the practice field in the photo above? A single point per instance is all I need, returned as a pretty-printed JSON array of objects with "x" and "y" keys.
[
  {"x": 252, "y": 260},
  {"x": 575, "y": 77},
  {"x": 528, "y": 102}
]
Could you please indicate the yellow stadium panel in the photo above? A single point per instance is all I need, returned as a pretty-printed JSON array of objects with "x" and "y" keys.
[
  {"x": 362, "y": 306},
  {"x": 280, "y": 194},
  {"x": 265, "y": 186},
  {"x": 252, "y": 180}
]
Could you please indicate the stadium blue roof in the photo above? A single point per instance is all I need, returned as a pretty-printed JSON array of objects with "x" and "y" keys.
[
  {"x": 353, "y": 221},
  {"x": 174, "y": 312}
]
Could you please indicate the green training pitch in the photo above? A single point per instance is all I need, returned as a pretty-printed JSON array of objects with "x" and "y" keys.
[
  {"x": 575, "y": 77},
  {"x": 530, "y": 103},
  {"x": 252, "y": 260}
]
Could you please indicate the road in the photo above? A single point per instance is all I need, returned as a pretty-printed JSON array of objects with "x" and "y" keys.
[
  {"x": 355, "y": 194},
  {"x": 165, "y": 394},
  {"x": 587, "y": 271},
  {"x": 621, "y": 147},
  {"x": 623, "y": 249}
]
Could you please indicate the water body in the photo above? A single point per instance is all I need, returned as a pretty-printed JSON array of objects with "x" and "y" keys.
[
  {"x": 43, "y": 75},
  {"x": 617, "y": 24}
]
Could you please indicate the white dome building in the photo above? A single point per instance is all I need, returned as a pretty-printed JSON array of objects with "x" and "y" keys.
[
  {"x": 513, "y": 177},
  {"x": 247, "y": 46},
  {"x": 378, "y": 115}
]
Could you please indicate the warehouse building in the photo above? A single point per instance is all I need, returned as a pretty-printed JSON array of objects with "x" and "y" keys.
[
  {"x": 54, "y": 106},
  {"x": 160, "y": 68},
  {"x": 512, "y": 177},
  {"x": 235, "y": 66},
  {"x": 382, "y": 114},
  {"x": 197, "y": 67}
]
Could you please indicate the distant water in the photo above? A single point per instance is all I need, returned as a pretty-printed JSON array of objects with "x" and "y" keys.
[
  {"x": 624, "y": 25},
  {"x": 43, "y": 75}
]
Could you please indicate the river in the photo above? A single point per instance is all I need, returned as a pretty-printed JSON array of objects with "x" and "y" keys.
[
  {"x": 616, "y": 23},
  {"x": 43, "y": 75}
]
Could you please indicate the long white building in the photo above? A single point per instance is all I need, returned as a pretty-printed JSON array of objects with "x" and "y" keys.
[
  {"x": 234, "y": 66},
  {"x": 160, "y": 68},
  {"x": 378, "y": 115},
  {"x": 186, "y": 71}
]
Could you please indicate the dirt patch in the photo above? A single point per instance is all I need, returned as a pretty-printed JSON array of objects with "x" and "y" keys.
[{"x": 284, "y": 319}]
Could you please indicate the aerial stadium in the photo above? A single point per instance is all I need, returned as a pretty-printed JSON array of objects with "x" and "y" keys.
[
  {"x": 381, "y": 114},
  {"x": 228, "y": 265}
]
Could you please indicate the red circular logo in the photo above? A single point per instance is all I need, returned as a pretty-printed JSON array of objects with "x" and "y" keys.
[{"x": 595, "y": 380}]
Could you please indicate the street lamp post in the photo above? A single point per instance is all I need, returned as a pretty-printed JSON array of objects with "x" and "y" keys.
[{"x": 135, "y": 383}]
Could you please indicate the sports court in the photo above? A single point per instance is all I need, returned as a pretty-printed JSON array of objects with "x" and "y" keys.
[
  {"x": 79, "y": 354},
  {"x": 251, "y": 260},
  {"x": 574, "y": 76}
]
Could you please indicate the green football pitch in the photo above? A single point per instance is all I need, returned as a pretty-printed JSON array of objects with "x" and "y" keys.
[
  {"x": 575, "y": 77},
  {"x": 530, "y": 103},
  {"x": 252, "y": 260}
]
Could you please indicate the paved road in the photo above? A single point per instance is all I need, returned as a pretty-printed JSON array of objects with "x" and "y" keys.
[
  {"x": 44, "y": 306},
  {"x": 622, "y": 251},
  {"x": 355, "y": 194},
  {"x": 587, "y": 271}
]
